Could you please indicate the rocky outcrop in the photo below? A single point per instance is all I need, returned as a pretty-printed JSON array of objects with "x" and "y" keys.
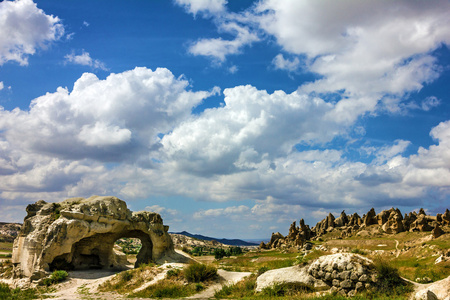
[
  {"x": 437, "y": 290},
  {"x": 343, "y": 273},
  {"x": 79, "y": 233},
  {"x": 295, "y": 274},
  {"x": 390, "y": 221}
]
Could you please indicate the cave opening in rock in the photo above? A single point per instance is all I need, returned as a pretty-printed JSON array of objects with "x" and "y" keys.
[{"x": 97, "y": 252}]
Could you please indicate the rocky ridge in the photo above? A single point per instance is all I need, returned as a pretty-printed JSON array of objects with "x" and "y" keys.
[{"x": 389, "y": 221}]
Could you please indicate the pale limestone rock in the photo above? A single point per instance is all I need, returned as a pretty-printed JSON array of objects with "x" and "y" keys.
[
  {"x": 79, "y": 233},
  {"x": 439, "y": 290},
  {"x": 293, "y": 274}
]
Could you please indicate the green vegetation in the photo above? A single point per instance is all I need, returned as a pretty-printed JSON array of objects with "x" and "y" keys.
[
  {"x": 56, "y": 277},
  {"x": 389, "y": 282},
  {"x": 168, "y": 289},
  {"x": 242, "y": 289},
  {"x": 199, "y": 272},
  {"x": 6, "y": 293}
]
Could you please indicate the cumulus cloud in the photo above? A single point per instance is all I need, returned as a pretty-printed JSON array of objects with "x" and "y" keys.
[
  {"x": 24, "y": 29},
  {"x": 2, "y": 86},
  {"x": 206, "y": 7},
  {"x": 84, "y": 59}
]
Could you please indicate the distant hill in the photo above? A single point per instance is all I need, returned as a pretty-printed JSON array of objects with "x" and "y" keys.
[{"x": 232, "y": 242}]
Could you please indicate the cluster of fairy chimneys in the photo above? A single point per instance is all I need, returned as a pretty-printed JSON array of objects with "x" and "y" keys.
[{"x": 390, "y": 221}]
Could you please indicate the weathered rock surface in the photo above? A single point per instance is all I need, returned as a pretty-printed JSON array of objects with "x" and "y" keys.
[
  {"x": 346, "y": 273},
  {"x": 79, "y": 233},
  {"x": 438, "y": 290},
  {"x": 293, "y": 274}
]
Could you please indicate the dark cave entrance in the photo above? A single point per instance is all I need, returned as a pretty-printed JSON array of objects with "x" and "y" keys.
[{"x": 96, "y": 252}]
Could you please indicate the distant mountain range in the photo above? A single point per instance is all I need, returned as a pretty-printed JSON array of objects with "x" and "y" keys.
[{"x": 232, "y": 242}]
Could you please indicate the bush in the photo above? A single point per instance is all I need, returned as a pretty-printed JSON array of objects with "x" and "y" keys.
[
  {"x": 389, "y": 281},
  {"x": 219, "y": 253},
  {"x": 56, "y": 277},
  {"x": 199, "y": 272},
  {"x": 173, "y": 273},
  {"x": 6, "y": 293},
  {"x": 262, "y": 270}
]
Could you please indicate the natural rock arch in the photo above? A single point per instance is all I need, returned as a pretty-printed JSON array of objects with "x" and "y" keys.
[{"x": 79, "y": 233}]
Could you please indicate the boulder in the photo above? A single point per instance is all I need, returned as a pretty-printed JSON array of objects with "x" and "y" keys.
[
  {"x": 437, "y": 232},
  {"x": 437, "y": 290},
  {"x": 293, "y": 274},
  {"x": 394, "y": 223},
  {"x": 79, "y": 233}
]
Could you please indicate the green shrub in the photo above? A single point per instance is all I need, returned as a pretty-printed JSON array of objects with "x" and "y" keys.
[
  {"x": 173, "y": 273},
  {"x": 126, "y": 276},
  {"x": 168, "y": 289},
  {"x": 199, "y": 272},
  {"x": 59, "y": 275},
  {"x": 56, "y": 277},
  {"x": 389, "y": 281},
  {"x": 262, "y": 270},
  {"x": 6, "y": 293}
]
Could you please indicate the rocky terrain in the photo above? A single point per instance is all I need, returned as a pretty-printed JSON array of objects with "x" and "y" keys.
[
  {"x": 79, "y": 233},
  {"x": 9, "y": 231},
  {"x": 388, "y": 221},
  {"x": 340, "y": 255}
]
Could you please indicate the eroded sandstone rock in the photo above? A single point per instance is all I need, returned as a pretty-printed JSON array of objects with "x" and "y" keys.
[{"x": 79, "y": 233}]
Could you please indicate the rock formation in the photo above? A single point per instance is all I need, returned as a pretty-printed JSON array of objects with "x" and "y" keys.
[
  {"x": 390, "y": 221},
  {"x": 79, "y": 233},
  {"x": 343, "y": 273}
]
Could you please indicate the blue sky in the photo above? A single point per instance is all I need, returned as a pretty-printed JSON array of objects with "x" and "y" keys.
[{"x": 229, "y": 118}]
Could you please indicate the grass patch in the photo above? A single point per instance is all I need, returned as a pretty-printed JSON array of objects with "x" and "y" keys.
[
  {"x": 286, "y": 289},
  {"x": 242, "y": 289},
  {"x": 389, "y": 282},
  {"x": 7, "y": 293},
  {"x": 56, "y": 277},
  {"x": 127, "y": 281},
  {"x": 169, "y": 289},
  {"x": 199, "y": 272}
]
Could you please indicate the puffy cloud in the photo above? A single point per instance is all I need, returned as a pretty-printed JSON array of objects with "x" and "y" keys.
[
  {"x": 253, "y": 124},
  {"x": 2, "y": 86},
  {"x": 204, "y": 6},
  {"x": 366, "y": 49},
  {"x": 281, "y": 63},
  {"x": 218, "y": 48},
  {"x": 111, "y": 119},
  {"x": 84, "y": 59},
  {"x": 24, "y": 29}
]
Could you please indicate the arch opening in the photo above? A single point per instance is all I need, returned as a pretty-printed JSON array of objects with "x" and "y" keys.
[{"x": 97, "y": 252}]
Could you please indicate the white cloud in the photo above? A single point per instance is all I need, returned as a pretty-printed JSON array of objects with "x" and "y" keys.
[
  {"x": 218, "y": 48},
  {"x": 285, "y": 64},
  {"x": 206, "y": 7},
  {"x": 2, "y": 86},
  {"x": 24, "y": 29},
  {"x": 84, "y": 59},
  {"x": 162, "y": 210},
  {"x": 430, "y": 102},
  {"x": 232, "y": 211}
]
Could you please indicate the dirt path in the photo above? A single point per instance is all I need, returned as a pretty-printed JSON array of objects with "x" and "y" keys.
[
  {"x": 226, "y": 278},
  {"x": 84, "y": 284}
]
